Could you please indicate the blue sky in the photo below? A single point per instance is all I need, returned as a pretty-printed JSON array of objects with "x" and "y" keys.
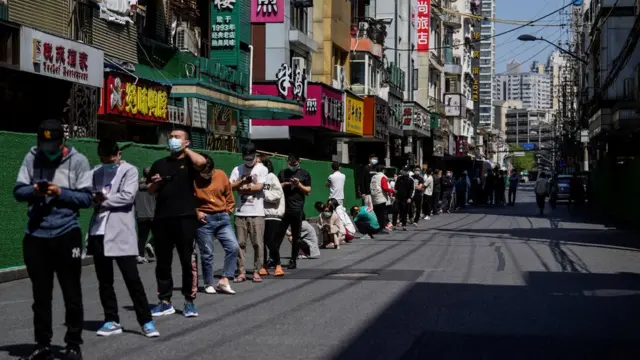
[{"x": 508, "y": 47}]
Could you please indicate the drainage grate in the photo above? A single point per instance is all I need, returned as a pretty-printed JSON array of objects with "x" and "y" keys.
[{"x": 354, "y": 274}]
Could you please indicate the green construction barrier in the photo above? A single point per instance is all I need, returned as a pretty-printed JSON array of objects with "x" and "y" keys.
[{"x": 14, "y": 146}]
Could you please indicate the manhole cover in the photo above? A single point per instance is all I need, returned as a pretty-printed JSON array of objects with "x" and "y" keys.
[{"x": 355, "y": 274}]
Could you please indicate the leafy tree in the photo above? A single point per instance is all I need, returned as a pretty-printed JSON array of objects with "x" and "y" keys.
[{"x": 526, "y": 162}]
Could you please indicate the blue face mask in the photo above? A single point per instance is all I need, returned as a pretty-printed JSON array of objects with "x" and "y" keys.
[
  {"x": 175, "y": 145},
  {"x": 326, "y": 214},
  {"x": 374, "y": 161}
]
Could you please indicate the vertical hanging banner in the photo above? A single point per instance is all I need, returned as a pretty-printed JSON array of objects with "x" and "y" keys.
[{"x": 423, "y": 25}]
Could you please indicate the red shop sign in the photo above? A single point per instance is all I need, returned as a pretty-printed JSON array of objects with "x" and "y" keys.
[{"x": 143, "y": 100}]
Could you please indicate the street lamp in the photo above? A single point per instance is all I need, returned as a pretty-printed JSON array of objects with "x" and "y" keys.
[{"x": 526, "y": 37}]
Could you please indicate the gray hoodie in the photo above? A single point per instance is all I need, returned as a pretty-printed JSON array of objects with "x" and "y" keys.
[{"x": 52, "y": 217}]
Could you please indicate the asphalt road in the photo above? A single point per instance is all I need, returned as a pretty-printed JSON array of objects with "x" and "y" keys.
[{"x": 485, "y": 283}]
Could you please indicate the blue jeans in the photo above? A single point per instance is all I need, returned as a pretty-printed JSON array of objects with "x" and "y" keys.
[{"x": 218, "y": 225}]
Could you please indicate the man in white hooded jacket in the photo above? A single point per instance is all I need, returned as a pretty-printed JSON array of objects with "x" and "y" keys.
[{"x": 273, "y": 212}]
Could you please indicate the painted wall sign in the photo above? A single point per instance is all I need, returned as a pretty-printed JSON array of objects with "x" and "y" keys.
[
  {"x": 224, "y": 4},
  {"x": 59, "y": 58},
  {"x": 293, "y": 78},
  {"x": 141, "y": 100},
  {"x": 267, "y": 11},
  {"x": 354, "y": 115},
  {"x": 225, "y": 32},
  {"x": 423, "y": 26},
  {"x": 323, "y": 107}
]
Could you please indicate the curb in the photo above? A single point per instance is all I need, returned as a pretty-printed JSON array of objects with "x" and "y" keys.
[{"x": 20, "y": 272}]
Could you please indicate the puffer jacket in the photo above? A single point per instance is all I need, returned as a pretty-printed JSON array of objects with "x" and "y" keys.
[{"x": 273, "y": 198}]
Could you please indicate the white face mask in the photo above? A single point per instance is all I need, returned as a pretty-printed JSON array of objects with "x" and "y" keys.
[
  {"x": 175, "y": 145},
  {"x": 250, "y": 163},
  {"x": 374, "y": 161}
]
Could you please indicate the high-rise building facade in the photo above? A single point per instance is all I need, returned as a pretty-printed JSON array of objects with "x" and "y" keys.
[
  {"x": 487, "y": 62},
  {"x": 532, "y": 88}
]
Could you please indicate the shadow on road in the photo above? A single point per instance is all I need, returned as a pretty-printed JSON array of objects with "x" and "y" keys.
[{"x": 555, "y": 316}]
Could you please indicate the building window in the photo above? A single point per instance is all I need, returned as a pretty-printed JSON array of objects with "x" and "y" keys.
[
  {"x": 299, "y": 18},
  {"x": 357, "y": 69}
]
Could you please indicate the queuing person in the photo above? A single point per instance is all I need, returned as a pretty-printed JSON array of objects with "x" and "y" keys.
[
  {"x": 145, "y": 205},
  {"x": 418, "y": 194},
  {"x": 380, "y": 195},
  {"x": 428, "y": 194},
  {"x": 214, "y": 205},
  {"x": 467, "y": 180},
  {"x": 296, "y": 184},
  {"x": 461, "y": 188},
  {"x": 366, "y": 221},
  {"x": 248, "y": 180},
  {"x": 364, "y": 186},
  {"x": 514, "y": 181},
  {"x": 308, "y": 242},
  {"x": 55, "y": 181},
  {"x": 331, "y": 228},
  {"x": 490, "y": 186},
  {"x": 437, "y": 192},
  {"x": 273, "y": 213},
  {"x": 112, "y": 237},
  {"x": 391, "y": 209},
  {"x": 448, "y": 195},
  {"x": 554, "y": 189},
  {"x": 405, "y": 190},
  {"x": 350, "y": 229},
  {"x": 175, "y": 221},
  {"x": 541, "y": 190},
  {"x": 335, "y": 183}
]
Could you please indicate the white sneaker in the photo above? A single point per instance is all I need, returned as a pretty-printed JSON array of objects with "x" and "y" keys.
[
  {"x": 209, "y": 289},
  {"x": 427, "y": 217}
]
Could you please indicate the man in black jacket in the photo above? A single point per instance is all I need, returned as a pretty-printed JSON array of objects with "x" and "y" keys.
[
  {"x": 364, "y": 183},
  {"x": 405, "y": 190},
  {"x": 448, "y": 199},
  {"x": 418, "y": 181},
  {"x": 437, "y": 190}
]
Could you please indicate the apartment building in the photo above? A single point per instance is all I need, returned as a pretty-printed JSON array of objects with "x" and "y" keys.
[
  {"x": 487, "y": 63},
  {"x": 533, "y": 89}
]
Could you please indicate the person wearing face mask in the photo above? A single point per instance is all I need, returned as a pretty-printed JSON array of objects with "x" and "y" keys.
[
  {"x": 175, "y": 222},
  {"x": 367, "y": 172},
  {"x": 55, "y": 181},
  {"x": 331, "y": 228},
  {"x": 405, "y": 191},
  {"x": 448, "y": 198},
  {"x": 248, "y": 180},
  {"x": 112, "y": 237},
  {"x": 296, "y": 184},
  {"x": 145, "y": 207},
  {"x": 215, "y": 204}
]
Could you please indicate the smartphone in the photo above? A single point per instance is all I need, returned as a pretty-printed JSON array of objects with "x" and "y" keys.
[{"x": 43, "y": 186}]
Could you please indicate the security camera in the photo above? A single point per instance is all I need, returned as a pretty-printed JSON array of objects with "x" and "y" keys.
[{"x": 385, "y": 20}]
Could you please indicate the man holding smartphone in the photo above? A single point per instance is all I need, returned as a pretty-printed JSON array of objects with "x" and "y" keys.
[
  {"x": 296, "y": 184},
  {"x": 175, "y": 222},
  {"x": 55, "y": 182}
]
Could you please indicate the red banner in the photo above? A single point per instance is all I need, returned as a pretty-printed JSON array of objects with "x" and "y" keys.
[
  {"x": 423, "y": 25},
  {"x": 144, "y": 100}
]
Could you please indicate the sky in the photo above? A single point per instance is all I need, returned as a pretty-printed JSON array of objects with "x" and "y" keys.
[{"x": 508, "y": 47}]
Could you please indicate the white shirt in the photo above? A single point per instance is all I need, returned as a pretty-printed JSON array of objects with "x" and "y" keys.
[
  {"x": 336, "y": 185},
  {"x": 102, "y": 176},
  {"x": 428, "y": 185},
  {"x": 252, "y": 204}
]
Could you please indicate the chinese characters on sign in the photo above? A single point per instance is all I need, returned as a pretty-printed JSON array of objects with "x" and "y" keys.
[
  {"x": 312, "y": 106},
  {"x": 224, "y": 4},
  {"x": 137, "y": 101},
  {"x": 354, "y": 115},
  {"x": 267, "y": 11},
  {"x": 295, "y": 78},
  {"x": 223, "y": 33},
  {"x": 333, "y": 108},
  {"x": 57, "y": 60},
  {"x": 423, "y": 24}
]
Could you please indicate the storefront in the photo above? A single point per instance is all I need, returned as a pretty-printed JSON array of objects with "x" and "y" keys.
[
  {"x": 375, "y": 133},
  {"x": 311, "y": 136},
  {"x": 134, "y": 109},
  {"x": 416, "y": 125},
  {"x": 49, "y": 77}
]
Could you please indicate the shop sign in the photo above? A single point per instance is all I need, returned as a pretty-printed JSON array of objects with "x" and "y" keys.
[
  {"x": 382, "y": 121},
  {"x": 141, "y": 100},
  {"x": 354, "y": 115},
  {"x": 176, "y": 115},
  {"x": 293, "y": 78},
  {"x": 333, "y": 109},
  {"x": 423, "y": 24},
  {"x": 225, "y": 31},
  {"x": 414, "y": 118},
  {"x": 475, "y": 90},
  {"x": 59, "y": 58},
  {"x": 267, "y": 11},
  {"x": 197, "y": 111},
  {"x": 462, "y": 146}
]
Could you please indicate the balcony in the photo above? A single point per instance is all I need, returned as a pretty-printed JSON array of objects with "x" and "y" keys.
[
  {"x": 453, "y": 69},
  {"x": 452, "y": 20},
  {"x": 436, "y": 106}
]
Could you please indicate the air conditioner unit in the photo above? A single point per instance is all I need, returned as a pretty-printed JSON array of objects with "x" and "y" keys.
[
  {"x": 187, "y": 39},
  {"x": 299, "y": 63},
  {"x": 339, "y": 81}
]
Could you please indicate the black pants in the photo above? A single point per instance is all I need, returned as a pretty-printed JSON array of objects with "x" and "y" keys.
[
  {"x": 402, "y": 209},
  {"x": 427, "y": 206},
  {"x": 129, "y": 270},
  {"x": 364, "y": 228},
  {"x": 144, "y": 229},
  {"x": 435, "y": 204},
  {"x": 178, "y": 232},
  {"x": 271, "y": 240},
  {"x": 381, "y": 214},
  {"x": 61, "y": 255},
  {"x": 293, "y": 219},
  {"x": 499, "y": 196},
  {"x": 460, "y": 198},
  {"x": 417, "y": 201},
  {"x": 512, "y": 196},
  {"x": 540, "y": 201}
]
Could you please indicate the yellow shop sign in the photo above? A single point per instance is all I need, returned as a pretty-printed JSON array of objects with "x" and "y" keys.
[{"x": 353, "y": 115}]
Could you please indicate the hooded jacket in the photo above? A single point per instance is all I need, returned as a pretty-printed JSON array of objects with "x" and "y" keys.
[
  {"x": 273, "y": 198},
  {"x": 51, "y": 217}
]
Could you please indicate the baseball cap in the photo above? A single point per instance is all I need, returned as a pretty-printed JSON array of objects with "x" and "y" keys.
[
  {"x": 50, "y": 135},
  {"x": 249, "y": 151},
  {"x": 293, "y": 157}
]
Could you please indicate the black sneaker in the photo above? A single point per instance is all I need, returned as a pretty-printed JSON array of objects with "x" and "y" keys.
[
  {"x": 73, "y": 353},
  {"x": 292, "y": 265},
  {"x": 40, "y": 353}
]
